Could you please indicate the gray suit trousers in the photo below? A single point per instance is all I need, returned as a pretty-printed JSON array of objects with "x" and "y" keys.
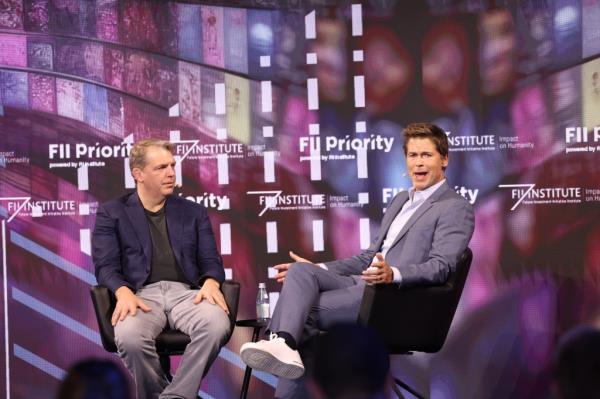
[
  {"x": 171, "y": 302},
  {"x": 313, "y": 299}
]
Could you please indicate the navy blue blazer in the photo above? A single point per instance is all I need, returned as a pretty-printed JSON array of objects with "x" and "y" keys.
[{"x": 122, "y": 247}]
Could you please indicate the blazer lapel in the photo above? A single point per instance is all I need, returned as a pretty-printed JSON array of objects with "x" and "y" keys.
[
  {"x": 419, "y": 212},
  {"x": 137, "y": 217},
  {"x": 392, "y": 212},
  {"x": 175, "y": 222}
]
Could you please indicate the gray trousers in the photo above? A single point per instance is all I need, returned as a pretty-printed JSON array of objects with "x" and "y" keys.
[
  {"x": 313, "y": 299},
  {"x": 171, "y": 302}
]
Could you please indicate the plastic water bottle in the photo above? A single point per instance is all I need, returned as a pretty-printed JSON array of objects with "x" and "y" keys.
[{"x": 262, "y": 302}]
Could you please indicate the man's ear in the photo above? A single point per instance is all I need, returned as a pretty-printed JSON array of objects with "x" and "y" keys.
[{"x": 137, "y": 174}]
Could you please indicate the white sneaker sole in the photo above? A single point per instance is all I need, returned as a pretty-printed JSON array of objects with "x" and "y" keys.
[{"x": 263, "y": 361}]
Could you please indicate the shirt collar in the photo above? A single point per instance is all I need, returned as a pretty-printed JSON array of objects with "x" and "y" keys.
[{"x": 414, "y": 195}]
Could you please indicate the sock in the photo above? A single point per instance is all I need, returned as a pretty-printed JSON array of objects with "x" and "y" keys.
[{"x": 289, "y": 340}]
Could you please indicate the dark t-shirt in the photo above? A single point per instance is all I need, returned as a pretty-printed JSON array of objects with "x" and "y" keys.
[{"x": 164, "y": 265}]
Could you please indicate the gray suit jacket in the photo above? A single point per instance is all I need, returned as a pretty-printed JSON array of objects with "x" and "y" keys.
[{"x": 428, "y": 247}]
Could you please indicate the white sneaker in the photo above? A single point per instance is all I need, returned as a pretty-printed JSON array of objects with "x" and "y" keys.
[{"x": 273, "y": 356}]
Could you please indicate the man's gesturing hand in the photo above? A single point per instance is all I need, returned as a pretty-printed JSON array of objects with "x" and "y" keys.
[
  {"x": 127, "y": 303},
  {"x": 283, "y": 267},
  {"x": 379, "y": 272},
  {"x": 211, "y": 292}
]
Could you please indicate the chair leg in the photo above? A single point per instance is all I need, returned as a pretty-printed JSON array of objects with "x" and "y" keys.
[
  {"x": 408, "y": 388},
  {"x": 165, "y": 364},
  {"x": 397, "y": 391}
]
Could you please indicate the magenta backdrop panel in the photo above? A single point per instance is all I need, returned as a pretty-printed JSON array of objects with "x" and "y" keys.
[{"x": 516, "y": 88}]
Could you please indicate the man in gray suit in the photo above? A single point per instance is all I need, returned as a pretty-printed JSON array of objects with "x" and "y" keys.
[{"x": 423, "y": 233}]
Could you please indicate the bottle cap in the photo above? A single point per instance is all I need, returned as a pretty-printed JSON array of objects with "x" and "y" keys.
[{"x": 262, "y": 285}]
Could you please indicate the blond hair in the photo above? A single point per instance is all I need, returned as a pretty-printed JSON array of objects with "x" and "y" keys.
[{"x": 137, "y": 155}]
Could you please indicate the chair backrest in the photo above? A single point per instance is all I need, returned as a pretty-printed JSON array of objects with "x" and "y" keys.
[
  {"x": 104, "y": 304},
  {"x": 231, "y": 292},
  {"x": 414, "y": 318}
]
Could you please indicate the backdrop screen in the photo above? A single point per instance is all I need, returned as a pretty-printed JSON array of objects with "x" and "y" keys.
[{"x": 286, "y": 118}]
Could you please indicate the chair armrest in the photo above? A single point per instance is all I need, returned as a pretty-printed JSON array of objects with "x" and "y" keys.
[
  {"x": 231, "y": 292},
  {"x": 104, "y": 304}
]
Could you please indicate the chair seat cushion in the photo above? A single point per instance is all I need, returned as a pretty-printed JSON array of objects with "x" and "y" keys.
[{"x": 174, "y": 340}]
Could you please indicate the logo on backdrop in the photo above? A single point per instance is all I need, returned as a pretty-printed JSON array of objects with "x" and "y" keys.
[
  {"x": 467, "y": 193},
  {"x": 10, "y": 157},
  {"x": 513, "y": 143},
  {"x": 277, "y": 201},
  {"x": 471, "y": 143},
  {"x": 529, "y": 194},
  {"x": 42, "y": 208},
  {"x": 592, "y": 194},
  {"x": 348, "y": 201},
  {"x": 487, "y": 143},
  {"x": 209, "y": 200},
  {"x": 67, "y": 155},
  {"x": 192, "y": 149},
  {"x": 334, "y": 148},
  {"x": 257, "y": 150},
  {"x": 580, "y": 137}
]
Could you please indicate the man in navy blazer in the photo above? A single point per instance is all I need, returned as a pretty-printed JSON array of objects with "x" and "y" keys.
[
  {"x": 157, "y": 252},
  {"x": 422, "y": 235}
]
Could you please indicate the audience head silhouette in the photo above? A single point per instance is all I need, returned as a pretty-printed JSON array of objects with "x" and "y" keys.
[
  {"x": 577, "y": 364},
  {"x": 94, "y": 379},
  {"x": 350, "y": 363}
]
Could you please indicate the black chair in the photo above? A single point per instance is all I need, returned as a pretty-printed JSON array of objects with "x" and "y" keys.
[
  {"x": 414, "y": 318},
  {"x": 169, "y": 342}
]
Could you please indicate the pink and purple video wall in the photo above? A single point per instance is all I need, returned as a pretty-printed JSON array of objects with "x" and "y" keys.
[{"x": 285, "y": 117}]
